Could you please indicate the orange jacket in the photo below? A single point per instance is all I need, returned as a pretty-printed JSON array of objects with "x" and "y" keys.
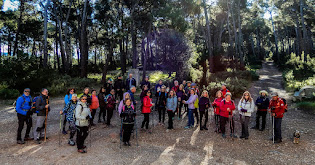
[{"x": 94, "y": 103}]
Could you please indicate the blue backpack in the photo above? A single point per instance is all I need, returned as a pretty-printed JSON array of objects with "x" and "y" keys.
[{"x": 34, "y": 104}]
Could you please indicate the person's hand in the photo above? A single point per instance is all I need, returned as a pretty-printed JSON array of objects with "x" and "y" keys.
[
  {"x": 153, "y": 104},
  {"x": 228, "y": 109},
  {"x": 116, "y": 101},
  {"x": 118, "y": 89},
  {"x": 273, "y": 114},
  {"x": 61, "y": 112},
  {"x": 136, "y": 102},
  {"x": 179, "y": 99},
  {"x": 46, "y": 106},
  {"x": 184, "y": 101}
]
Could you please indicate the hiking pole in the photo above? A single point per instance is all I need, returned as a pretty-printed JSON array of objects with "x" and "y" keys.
[
  {"x": 47, "y": 101},
  {"x": 90, "y": 136},
  {"x": 120, "y": 134},
  {"x": 60, "y": 129},
  {"x": 136, "y": 132},
  {"x": 273, "y": 129}
]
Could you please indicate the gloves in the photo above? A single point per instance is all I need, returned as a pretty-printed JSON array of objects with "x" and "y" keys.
[
  {"x": 244, "y": 110},
  {"x": 87, "y": 118}
]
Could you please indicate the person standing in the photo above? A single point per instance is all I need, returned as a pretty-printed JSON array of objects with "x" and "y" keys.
[
  {"x": 216, "y": 108},
  {"x": 122, "y": 102},
  {"x": 109, "y": 86},
  {"x": 82, "y": 115},
  {"x": 42, "y": 108},
  {"x": 94, "y": 105},
  {"x": 158, "y": 86},
  {"x": 191, "y": 107},
  {"x": 277, "y": 108},
  {"x": 246, "y": 107},
  {"x": 224, "y": 90},
  {"x": 86, "y": 92},
  {"x": 184, "y": 83},
  {"x": 119, "y": 87},
  {"x": 161, "y": 103},
  {"x": 180, "y": 96},
  {"x": 171, "y": 105},
  {"x": 128, "y": 119},
  {"x": 146, "y": 82},
  {"x": 67, "y": 99},
  {"x": 176, "y": 86},
  {"x": 204, "y": 104},
  {"x": 143, "y": 93},
  {"x": 101, "y": 99},
  {"x": 262, "y": 103},
  {"x": 69, "y": 109},
  {"x": 130, "y": 82},
  {"x": 131, "y": 92},
  {"x": 110, "y": 105},
  {"x": 24, "y": 114},
  {"x": 146, "y": 109},
  {"x": 227, "y": 107}
]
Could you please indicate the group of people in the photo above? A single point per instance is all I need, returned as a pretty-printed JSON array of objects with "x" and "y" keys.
[{"x": 79, "y": 110}]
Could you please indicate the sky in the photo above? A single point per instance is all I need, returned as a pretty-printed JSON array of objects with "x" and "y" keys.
[{"x": 10, "y": 5}]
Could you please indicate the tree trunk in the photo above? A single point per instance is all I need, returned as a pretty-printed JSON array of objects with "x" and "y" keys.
[
  {"x": 105, "y": 68},
  {"x": 304, "y": 39},
  {"x": 234, "y": 28},
  {"x": 240, "y": 35},
  {"x": 209, "y": 42},
  {"x": 45, "y": 65},
  {"x": 22, "y": 2},
  {"x": 134, "y": 37},
  {"x": 146, "y": 53},
  {"x": 276, "y": 38},
  {"x": 9, "y": 44},
  {"x": 84, "y": 42},
  {"x": 68, "y": 39}
]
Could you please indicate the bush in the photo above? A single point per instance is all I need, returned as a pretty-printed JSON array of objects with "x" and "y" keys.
[{"x": 6, "y": 93}]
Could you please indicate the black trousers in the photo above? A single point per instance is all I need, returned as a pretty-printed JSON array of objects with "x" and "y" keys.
[
  {"x": 28, "y": 121},
  {"x": 223, "y": 121},
  {"x": 109, "y": 115},
  {"x": 119, "y": 94},
  {"x": 180, "y": 106},
  {"x": 170, "y": 119},
  {"x": 244, "y": 121},
  {"x": 263, "y": 115},
  {"x": 217, "y": 121},
  {"x": 146, "y": 120},
  {"x": 64, "y": 122},
  {"x": 161, "y": 111},
  {"x": 203, "y": 113},
  {"x": 196, "y": 115},
  {"x": 127, "y": 129},
  {"x": 277, "y": 127},
  {"x": 102, "y": 111},
  {"x": 82, "y": 133},
  {"x": 93, "y": 115}
]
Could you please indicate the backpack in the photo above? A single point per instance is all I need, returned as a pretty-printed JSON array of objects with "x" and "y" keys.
[
  {"x": 14, "y": 104},
  {"x": 106, "y": 97},
  {"x": 196, "y": 104},
  {"x": 34, "y": 104},
  {"x": 131, "y": 107},
  {"x": 285, "y": 104}
]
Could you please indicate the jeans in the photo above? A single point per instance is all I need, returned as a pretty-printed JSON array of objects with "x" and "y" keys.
[
  {"x": 72, "y": 129},
  {"x": 161, "y": 114},
  {"x": 244, "y": 121},
  {"x": 82, "y": 133},
  {"x": 203, "y": 113},
  {"x": 261, "y": 114},
  {"x": 191, "y": 120},
  {"x": 217, "y": 121},
  {"x": 277, "y": 127},
  {"x": 28, "y": 121},
  {"x": 146, "y": 120},
  {"x": 127, "y": 129},
  {"x": 170, "y": 119},
  {"x": 93, "y": 115}
]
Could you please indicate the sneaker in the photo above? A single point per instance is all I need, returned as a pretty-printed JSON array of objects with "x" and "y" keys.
[
  {"x": 233, "y": 135},
  {"x": 128, "y": 143},
  {"x": 254, "y": 127},
  {"x": 187, "y": 127},
  {"x": 223, "y": 135},
  {"x": 64, "y": 132},
  {"x": 20, "y": 142},
  {"x": 99, "y": 121},
  {"x": 82, "y": 151},
  {"x": 37, "y": 141},
  {"x": 71, "y": 142},
  {"x": 125, "y": 144}
]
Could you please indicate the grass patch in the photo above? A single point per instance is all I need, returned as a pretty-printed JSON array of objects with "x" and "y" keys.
[{"x": 307, "y": 106}]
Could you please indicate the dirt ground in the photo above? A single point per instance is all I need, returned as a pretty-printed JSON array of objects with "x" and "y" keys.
[{"x": 178, "y": 146}]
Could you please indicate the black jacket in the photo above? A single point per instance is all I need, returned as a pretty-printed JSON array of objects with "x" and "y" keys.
[
  {"x": 262, "y": 102},
  {"x": 147, "y": 83},
  {"x": 161, "y": 99},
  {"x": 108, "y": 88},
  {"x": 133, "y": 82},
  {"x": 119, "y": 84},
  {"x": 101, "y": 97},
  {"x": 128, "y": 115},
  {"x": 40, "y": 104}
]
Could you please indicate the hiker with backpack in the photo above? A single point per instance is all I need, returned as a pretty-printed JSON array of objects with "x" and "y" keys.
[
  {"x": 102, "y": 104},
  {"x": 191, "y": 107},
  {"x": 158, "y": 86},
  {"x": 246, "y": 107},
  {"x": 122, "y": 102},
  {"x": 224, "y": 90},
  {"x": 171, "y": 105},
  {"x": 277, "y": 108},
  {"x": 119, "y": 87},
  {"x": 161, "y": 97},
  {"x": 262, "y": 103},
  {"x": 109, "y": 86},
  {"x": 82, "y": 116},
  {"x": 216, "y": 108},
  {"x": 204, "y": 104},
  {"x": 132, "y": 91},
  {"x": 146, "y": 109},
  {"x": 42, "y": 109},
  {"x": 128, "y": 120},
  {"x": 24, "y": 111},
  {"x": 227, "y": 107},
  {"x": 110, "y": 105},
  {"x": 94, "y": 105},
  {"x": 180, "y": 96},
  {"x": 86, "y": 92},
  {"x": 67, "y": 99},
  {"x": 69, "y": 110}
]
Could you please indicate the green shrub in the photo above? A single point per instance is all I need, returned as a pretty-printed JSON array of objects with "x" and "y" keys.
[{"x": 6, "y": 93}]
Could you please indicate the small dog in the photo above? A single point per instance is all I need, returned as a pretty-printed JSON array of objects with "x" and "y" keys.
[{"x": 296, "y": 137}]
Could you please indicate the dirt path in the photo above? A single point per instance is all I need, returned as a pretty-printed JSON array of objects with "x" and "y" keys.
[{"x": 178, "y": 146}]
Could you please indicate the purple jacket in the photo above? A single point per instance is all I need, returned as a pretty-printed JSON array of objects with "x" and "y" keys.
[
  {"x": 204, "y": 103},
  {"x": 191, "y": 101},
  {"x": 121, "y": 104}
]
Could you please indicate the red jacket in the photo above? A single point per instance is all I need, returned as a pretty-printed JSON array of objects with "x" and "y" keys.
[
  {"x": 175, "y": 88},
  {"x": 95, "y": 103},
  {"x": 224, "y": 92},
  {"x": 216, "y": 105},
  {"x": 224, "y": 105},
  {"x": 147, "y": 104},
  {"x": 279, "y": 107}
]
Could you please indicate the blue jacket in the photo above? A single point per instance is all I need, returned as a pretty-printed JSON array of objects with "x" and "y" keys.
[
  {"x": 157, "y": 86},
  {"x": 132, "y": 97},
  {"x": 68, "y": 98},
  {"x": 22, "y": 109},
  {"x": 171, "y": 103},
  {"x": 69, "y": 110},
  {"x": 262, "y": 102}
]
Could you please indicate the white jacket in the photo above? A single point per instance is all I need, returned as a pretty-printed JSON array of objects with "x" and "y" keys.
[
  {"x": 81, "y": 114},
  {"x": 249, "y": 106}
]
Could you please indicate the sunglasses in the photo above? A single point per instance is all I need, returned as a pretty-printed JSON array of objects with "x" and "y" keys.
[
  {"x": 83, "y": 99},
  {"x": 71, "y": 91},
  {"x": 246, "y": 95},
  {"x": 27, "y": 91}
]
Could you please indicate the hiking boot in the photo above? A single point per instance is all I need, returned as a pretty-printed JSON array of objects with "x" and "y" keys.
[
  {"x": 20, "y": 142},
  {"x": 233, "y": 135},
  {"x": 82, "y": 151},
  {"x": 278, "y": 141},
  {"x": 128, "y": 143},
  {"x": 37, "y": 141},
  {"x": 71, "y": 142},
  {"x": 242, "y": 137},
  {"x": 262, "y": 129},
  {"x": 254, "y": 127},
  {"x": 223, "y": 135},
  {"x": 99, "y": 121},
  {"x": 28, "y": 139},
  {"x": 205, "y": 128},
  {"x": 63, "y": 132}
]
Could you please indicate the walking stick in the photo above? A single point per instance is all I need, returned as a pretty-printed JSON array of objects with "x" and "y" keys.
[
  {"x": 60, "y": 129},
  {"x": 136, "y": 132},
  {"x": 273, "y": 129},
  {"x": 120, "y": 134},
  {"x": 47, "y": 101}
]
